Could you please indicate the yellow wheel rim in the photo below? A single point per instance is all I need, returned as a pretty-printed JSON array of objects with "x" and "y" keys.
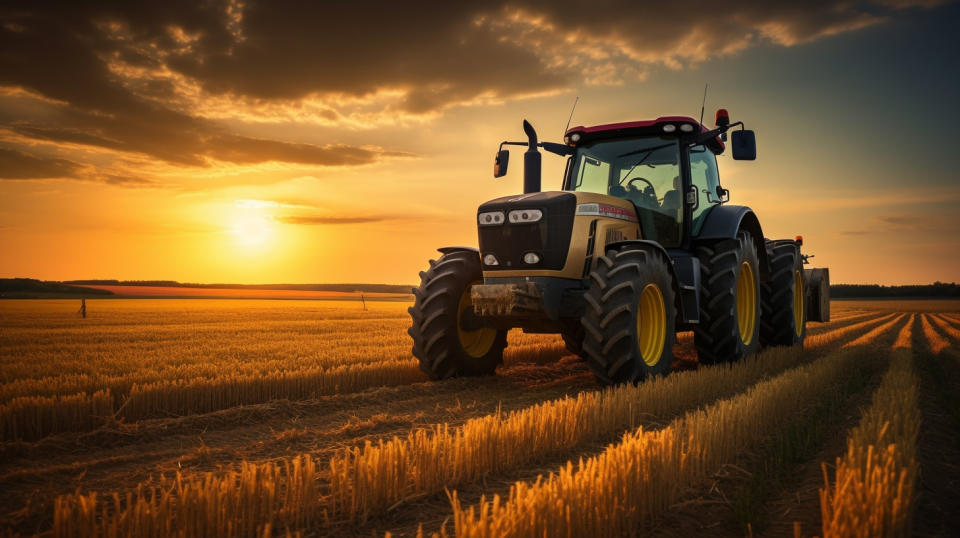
[
  {"x": 746, "y": 303},
  {"x": 476, "y": 343},
  {"x": 798, "y": 312},
  {"x": 651, "y": 324}
]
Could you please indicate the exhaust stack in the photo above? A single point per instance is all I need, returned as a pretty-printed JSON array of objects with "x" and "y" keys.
[{"x": 531, "y": 161}]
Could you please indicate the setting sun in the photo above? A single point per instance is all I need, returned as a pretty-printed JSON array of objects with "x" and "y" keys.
[{"x": 251, "y": 230}]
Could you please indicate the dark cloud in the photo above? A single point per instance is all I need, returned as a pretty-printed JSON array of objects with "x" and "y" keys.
[
  {"x": 18, "y": 165},
  {"x": 328, "y": 220},
  {"x": 131, "y": 76}
]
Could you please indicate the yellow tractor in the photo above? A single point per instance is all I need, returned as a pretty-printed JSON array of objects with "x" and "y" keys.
[{"x": 639, "y": 243}]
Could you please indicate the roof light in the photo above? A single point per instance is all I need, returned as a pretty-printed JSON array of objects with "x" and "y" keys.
[
  {"x": 686, "y": 127},
  {"x": 531, "y": 258},
  {"x": 723, "y": 117},
  {"x": 669, "y": 128},
  {"x": 799, "y": 239},
  {"x": 490, "y": 259}
]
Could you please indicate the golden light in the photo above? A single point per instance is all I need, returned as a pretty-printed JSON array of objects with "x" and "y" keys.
[{"x": 252, "y": 226}]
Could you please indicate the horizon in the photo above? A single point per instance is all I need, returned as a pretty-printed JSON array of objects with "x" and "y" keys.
[{"x": 236, "y": 144}]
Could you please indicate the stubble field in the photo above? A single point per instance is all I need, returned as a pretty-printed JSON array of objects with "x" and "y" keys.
[{"x": 211, "y": 417}]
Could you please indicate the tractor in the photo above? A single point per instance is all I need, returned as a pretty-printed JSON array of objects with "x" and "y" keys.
[{"x": 639, "y": 244}]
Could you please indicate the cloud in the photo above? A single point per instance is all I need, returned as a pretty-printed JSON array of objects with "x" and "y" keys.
[
  {"x": 329, "y": 220},
  {"x": 914, "y": 224},
  {"x": 19, "y": 165},
  {"x": 159, "y": 79}
]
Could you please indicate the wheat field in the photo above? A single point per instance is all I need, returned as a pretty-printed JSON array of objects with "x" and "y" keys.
[{"x": 210, "y": 417}]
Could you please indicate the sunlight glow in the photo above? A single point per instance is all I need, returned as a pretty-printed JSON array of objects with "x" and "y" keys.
[{"x": 251, "y": 228}]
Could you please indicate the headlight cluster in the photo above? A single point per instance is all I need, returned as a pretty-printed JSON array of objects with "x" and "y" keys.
[
  {"x": 525, "y": 215},
  {"x": 490, "y": 218},
  {"x": 518, "y": 216}
]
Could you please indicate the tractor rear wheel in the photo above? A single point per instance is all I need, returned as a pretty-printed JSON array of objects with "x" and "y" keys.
[
  {"x": 446, "y": 340},
  {"x": 782, "y": 314},
  {"x": 729, "y": 300},
  {"x": 630, "y": 316}
]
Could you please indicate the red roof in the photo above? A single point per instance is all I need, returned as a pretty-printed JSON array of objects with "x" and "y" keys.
[{"x": 640, "y": 125}]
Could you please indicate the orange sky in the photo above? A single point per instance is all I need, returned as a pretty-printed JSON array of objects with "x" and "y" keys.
[{"x": 232, "y": 143}]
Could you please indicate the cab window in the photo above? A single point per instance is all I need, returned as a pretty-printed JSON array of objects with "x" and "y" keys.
[
  {"x": 643, "y": 170},
  {"x": 704, "y": 177}
]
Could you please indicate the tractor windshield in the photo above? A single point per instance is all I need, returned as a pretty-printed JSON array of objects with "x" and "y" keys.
[{"x": 645, "y": 171}]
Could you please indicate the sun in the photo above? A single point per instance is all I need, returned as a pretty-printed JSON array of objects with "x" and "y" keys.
[{"x": 251, "y": 229}]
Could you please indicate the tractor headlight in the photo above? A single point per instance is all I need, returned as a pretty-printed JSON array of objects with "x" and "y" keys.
[
  {"x": 490, "y": 259},
  {"x": 669, "y": 128},
  {"x": 490, "y": 218},
  {"x": 531, "y": 258},
  {"x": 686, "y": 127},
  {"x": 520, "y": 216}
]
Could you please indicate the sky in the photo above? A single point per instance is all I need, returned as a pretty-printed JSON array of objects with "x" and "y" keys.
[{"x": 286, "y": 142}]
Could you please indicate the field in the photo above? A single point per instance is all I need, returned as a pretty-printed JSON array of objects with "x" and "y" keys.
[{"x": 237, "y": 417}]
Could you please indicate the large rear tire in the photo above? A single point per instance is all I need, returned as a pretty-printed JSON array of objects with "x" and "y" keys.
[
  {"x": 729, "y": 300},
  {"x": 630, "y": 316},
  {"x": 783, "y": 319},
  {"x": 441, "y": 305}
]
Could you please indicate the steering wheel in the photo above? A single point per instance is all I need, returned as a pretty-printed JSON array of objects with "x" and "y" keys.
[{"x": 648, "y": 194}]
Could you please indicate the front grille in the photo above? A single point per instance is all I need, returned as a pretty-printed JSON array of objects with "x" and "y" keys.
[{"x": 549, "y": 238}]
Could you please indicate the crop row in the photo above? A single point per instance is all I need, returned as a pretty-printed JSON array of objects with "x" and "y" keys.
[
  {"x": 936, "y": 342},
  {"x": 31, "y": 418},
  {"x": 624, "y": 487},
  {"x": 367, "y": 480},
  {"x": 147, "y": 392},
  {"x": 873, "y": 490},
  {"x": 119, "y": 365}
]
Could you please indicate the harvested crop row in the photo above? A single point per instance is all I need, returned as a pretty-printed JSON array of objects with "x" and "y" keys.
[
  {"x": 250, "y": 503},
  {"x": 873, "y": 492},
  {"x": 175, "y": 397},
  {"x": 663, "y": 397},
  {"x": 905, "y": 338},
  {"x": 936, "y": 342},
  {"x": 586, "y": 416},
  {"x": 951, "y": 331},
  {"x": 875, "y": 332},
  {"x": 205, "y": 395},
  {"x": 368, "y": 480},
  {"x": 266, "y": 357},
  {"x": 32, "y": 418},
  {"x": 628, "y": 484},
  {"x": 832, "y": 336},
  {"x": 834, "y": 324}
]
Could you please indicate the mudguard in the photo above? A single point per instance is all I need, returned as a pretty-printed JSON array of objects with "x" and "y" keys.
[
  {"x": 448, "y": 250},
  {"x": 724, "y": 221}
]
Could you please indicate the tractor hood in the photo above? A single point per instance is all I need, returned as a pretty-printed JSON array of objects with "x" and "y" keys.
[{"x": 511, "y": 227}]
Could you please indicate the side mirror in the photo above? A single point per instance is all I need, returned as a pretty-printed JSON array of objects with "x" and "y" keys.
[
  {"x": 744, "y": 145},
  {"x": 500, "y": 164}
]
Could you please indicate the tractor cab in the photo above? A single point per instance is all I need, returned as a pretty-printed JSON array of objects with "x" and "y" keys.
[{"x": 657, "y": 165}]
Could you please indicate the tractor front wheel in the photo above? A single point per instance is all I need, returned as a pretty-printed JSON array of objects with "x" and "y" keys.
[
  {"x": 630, "y": 317},
  {"x": 446, "y": 337}
]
